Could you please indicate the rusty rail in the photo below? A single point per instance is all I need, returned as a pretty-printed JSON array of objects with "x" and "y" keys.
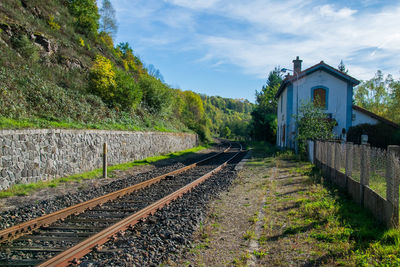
[
  {"x": 19, "y": 230},
  {"x": 73, "y": 254}
]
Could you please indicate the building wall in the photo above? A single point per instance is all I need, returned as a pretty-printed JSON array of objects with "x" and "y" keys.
[
  {"x": 282, "y": 117},
  {"x": 28, "y": 156},
  {"x": 360, "y": 118},
  {"x": 337, "y": 95}
]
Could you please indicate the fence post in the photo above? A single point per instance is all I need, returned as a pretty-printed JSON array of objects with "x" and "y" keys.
[
  {"x": 392, "y": 185},
  {"x": 333, "y": 162},
  {"x": 328, "y": 160},
  {"x": 364, "y": 170},
  {"x": 337, "y": 161},
  {"x": 349, "y": 159},
  {"x": 105, "y": 160},
  {"x": 349, "y": 162}
]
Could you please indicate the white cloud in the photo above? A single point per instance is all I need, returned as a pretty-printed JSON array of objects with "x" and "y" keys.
[
  {"x": 331, "y": 34},
  {"x": 273, "y": 32},
  {"x": 193, "y": 4},
  {"x": 329, "y": 11}
]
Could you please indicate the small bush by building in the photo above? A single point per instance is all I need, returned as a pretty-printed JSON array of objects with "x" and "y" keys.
[{"x": 379, "y": 135}]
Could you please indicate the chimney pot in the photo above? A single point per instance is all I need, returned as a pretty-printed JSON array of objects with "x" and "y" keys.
[{"x": 297, "y": 65}]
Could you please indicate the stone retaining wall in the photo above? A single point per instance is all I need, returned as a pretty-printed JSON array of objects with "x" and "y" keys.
[{"x": 28, "y": 156}]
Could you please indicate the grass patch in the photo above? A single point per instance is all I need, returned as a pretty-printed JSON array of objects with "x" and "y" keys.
[
  {"x": 260, "y": 253},
  {"x": 39, "y": 123},
  {"x": 344, "y": 230},
  {"x": 25, "y": 189},
  {"x": 253, "y": 219},
  {"x": 249, "y": 235}
]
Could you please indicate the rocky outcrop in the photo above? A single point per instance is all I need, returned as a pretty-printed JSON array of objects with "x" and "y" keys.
[{"x": 50, "y": 47}]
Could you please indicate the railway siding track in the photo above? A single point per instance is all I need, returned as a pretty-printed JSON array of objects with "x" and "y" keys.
[
  {"x": 27, "y": 227},
  {"x": 109, "y": 216}
]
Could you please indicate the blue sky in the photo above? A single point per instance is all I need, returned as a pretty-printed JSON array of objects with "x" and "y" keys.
[{"x": 227, "y": 47}]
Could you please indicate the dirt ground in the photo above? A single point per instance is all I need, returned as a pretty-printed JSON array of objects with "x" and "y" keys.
[
  {"x": 253, "y": 223},
  {"x": 71, "y": 187}
]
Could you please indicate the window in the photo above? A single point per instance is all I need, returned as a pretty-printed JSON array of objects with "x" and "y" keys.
[
  {"x": 283, "y": 134},
  {"x": 319, "y": 97}
]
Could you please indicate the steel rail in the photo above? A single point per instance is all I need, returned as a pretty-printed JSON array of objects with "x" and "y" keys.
[
  {"x": 25, "y": 228},
  {"x": 73, "y": 254}
]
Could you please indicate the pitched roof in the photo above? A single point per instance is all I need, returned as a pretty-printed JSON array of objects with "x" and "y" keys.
[
  {"x": 377, "y": 117},
  {"x": 320, "y": 66}
]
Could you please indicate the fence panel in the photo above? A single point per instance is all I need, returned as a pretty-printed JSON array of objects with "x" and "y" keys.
[
  {"x": 356, "y": 170},
  {"x": 378, "y": 160},
  {"x": 370, "y": 175}
]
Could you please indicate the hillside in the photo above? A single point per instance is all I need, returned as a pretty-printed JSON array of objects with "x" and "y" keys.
[{"x": 58, "y": 71}]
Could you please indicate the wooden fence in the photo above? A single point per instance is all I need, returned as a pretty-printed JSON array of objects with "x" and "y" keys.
[{"x": 369, "y": 175}]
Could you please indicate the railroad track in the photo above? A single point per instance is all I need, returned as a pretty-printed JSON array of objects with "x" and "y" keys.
[{"x": 63, "y": 237}]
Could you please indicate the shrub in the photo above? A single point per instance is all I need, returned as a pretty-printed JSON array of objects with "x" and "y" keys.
[
  {"x": 82, "y": 42},
  {"x": 313, "y": 123},
  {"x": 53, "y": 24},
  {"x": 379, "y": 135},
  {"x": 156, "y": 95},
  {"x": 106, "y": 39},
  {"x": 102, "y": 79},
  {"x": 128, "y": 94},
  {"x": 26, "y": 48},
  {"x": 116, "y": 87}
]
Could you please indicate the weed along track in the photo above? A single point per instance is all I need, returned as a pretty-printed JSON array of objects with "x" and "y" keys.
[{"x": 63, "y": 237}]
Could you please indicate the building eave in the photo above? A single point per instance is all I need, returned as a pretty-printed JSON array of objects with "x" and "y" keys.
[
  {"x": 320, "y": 66},
  {"x": 377, "y": 117}
]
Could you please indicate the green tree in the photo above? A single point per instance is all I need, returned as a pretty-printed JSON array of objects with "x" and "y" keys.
[
  {"x": 394, "y": 104},
  {"x": 86, "y": 15},
  {"x": 313, "y": 123},
  {"x": 374, "y": 95},
  {"x": 226, "y": 132},
  {"x": 193, "y": 111},
  {"x": 127, "y": 93},
  {"x": 264, "y": 122},
  {"x": 108, "y": 21},
  {"x": 156, "y": 95}
]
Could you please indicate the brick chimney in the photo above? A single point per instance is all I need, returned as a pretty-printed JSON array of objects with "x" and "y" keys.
[{"x": 297, "y": 65}]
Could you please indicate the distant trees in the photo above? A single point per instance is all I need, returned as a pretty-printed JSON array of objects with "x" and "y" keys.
[
  {"x": 126, "y": 86},
  {"x": 264, "y": 124},
  {"x": 380, "y": 95},
  {"x": 225, "y": 113},
  {"x": 129, "y": 60},
  {"x": 108, "y": 21},
  {"x": 153, "y": 71}
]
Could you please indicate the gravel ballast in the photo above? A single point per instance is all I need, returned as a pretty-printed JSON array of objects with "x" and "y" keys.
[
  {"x": 168, "y": 232},
  {"x": 36, "y": 209}
]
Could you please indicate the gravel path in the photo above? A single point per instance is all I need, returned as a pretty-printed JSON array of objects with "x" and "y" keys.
[{"x": 224, "y": 238}]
